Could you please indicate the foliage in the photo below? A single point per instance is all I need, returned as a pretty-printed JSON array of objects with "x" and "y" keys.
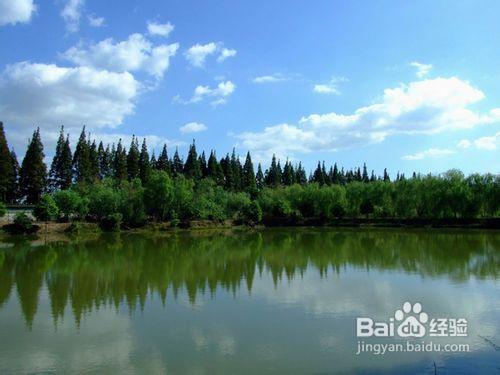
[
  {"x": 71, "y": 204},
  {"x": 3, "y": 210},
  {"x": 46, "y": 209}
]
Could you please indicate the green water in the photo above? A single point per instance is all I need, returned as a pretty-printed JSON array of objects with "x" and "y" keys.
[{"x": 254, "y": 302}]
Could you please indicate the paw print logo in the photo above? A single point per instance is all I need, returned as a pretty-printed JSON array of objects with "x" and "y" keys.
[{"x": 412, "y": 320}]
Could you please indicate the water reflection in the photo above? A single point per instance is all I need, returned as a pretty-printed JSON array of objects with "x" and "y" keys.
[{"x": 110, "y": 270}]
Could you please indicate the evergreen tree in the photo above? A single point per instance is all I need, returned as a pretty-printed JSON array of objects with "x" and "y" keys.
[
  {"x": 248, "y": 179},
  {"x": 144, "y": 165},
  {"x": 300, "y": 175},
  {"x": 133, "y": 159},
  {"x": 365, "y": 177},
  {"x": 177, "y": 164},
  {"x": 386, "y": 175},
  {"x": 163, "y": 163},
  {"x": 192, "y": 167},
  {"x": 13, "y": 188},
  {"x": 237, "y": 171},
  {"x": 326, "y": 178},
  {"x": 259, "y": 178},
  {"x": 288, "y": 177},
  {"x": 33, "y": 172},
  {"x": 358, "y": 176},
  {"x": 120, "y": 162},
  {"x": 104, "y": 161},
  {"x": 225, "y": 165},
  {"x": 93, "y": 162},
  {"x": 61, "y": 173},
  {"x": 335, "y": 175},
  {"x": 81, "y": 159},
  {"x": 373, "y": 177},
  {"x": 318, "y": 175},
  {"x": 8, "y": 178},
  {"x": 153, "y": 162},
  {"x": 202, "y": 161},
  {"x": 273, "y": 175}
]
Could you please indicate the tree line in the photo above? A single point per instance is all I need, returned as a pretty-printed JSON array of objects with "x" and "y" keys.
[{"x": 115, "y": 183}]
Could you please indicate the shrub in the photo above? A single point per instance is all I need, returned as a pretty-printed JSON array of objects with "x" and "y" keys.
[
  {"x": 111, "y": 222},
  {"x": 70, "y": 204},
  {"x": 22, "y": 225},
  {"x": 3, "y": 210},
  {"x": 46, "y": 209},
  {"x": 252, "y": 213}
]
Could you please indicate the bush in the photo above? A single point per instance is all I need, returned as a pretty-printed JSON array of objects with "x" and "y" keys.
[
  {"x": 111, "y": 222},
  {"x": 3, "y": 210},
  {"x": 46, "y": 209},
  {"x": 71, "y": 204},
  {"x": 22, "y": 225},
  {"x": 252, "y": 213}
]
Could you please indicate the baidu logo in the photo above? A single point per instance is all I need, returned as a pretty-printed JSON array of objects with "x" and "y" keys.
[{"x": 411, "y": 321}]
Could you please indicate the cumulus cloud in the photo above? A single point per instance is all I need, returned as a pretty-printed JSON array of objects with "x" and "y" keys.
[
  {"x": 422, "y": 69},
  {"x": 197, "y": 54},
  {"x": 420, "y": 107},
  {"x": 193, "y": 127},
  {"x": 95, "y": 21},
  {"x": 18, "y": 11},
  {"x": 430, "y": 153},
  {"x": 161, "y": 29},
  {"x": 134, "y": 54},
  {"x": 218, "y": 94},
  {"x": 330, "y": 87},
  {"x": 488, "y": 143},
  {"x": 72, "y": 13},
  {"x": 48, "y": 94},
  {"x": 272, "y": 78}
]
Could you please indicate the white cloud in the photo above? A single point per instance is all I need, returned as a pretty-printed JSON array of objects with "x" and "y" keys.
[
  {"x": 326, "y": 89},
  {"x": 464, "y": 143},
  {"x": 226, "y": 53},
  {"x": 193, "y": 127},
  {"x": 95, "y": 21},
  {"x": 134, "y": 54},
  {"x": 219, "y": 94},
  {"x": 273, "y": 78},
  {"x": 197, "y": 54},
  {"x": 49, "y": 95},
  {"x": 71, "y": 14},
  {"x": 331, "y": 87},
  {"x": 16, "y": 11},
  {"x": 488, "y": 143},
  {"x": 422, "y": 69},
  {"x": 161, "y": 29},
  {"x": 420, "y": 107},
  {"x": 430, "y": 153}
]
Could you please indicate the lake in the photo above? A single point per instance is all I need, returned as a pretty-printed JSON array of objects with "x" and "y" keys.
[{"x": 246, "y": 302}]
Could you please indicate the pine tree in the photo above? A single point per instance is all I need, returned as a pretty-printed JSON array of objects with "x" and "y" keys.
[
  {"x": 365, "y": 177},
  {"x": 288, "y": 177},
  {"x": 273, "y": 175},
  {"x": 318, "y": 175},
  {"x": 120, "y": 162},
  {"x": 153, "y": 162},
  {"x": 93, "y": 162},
  {"x": 163, "y": 163},
  {"x": 33, "y": 172},
  {"x": 225, "y": 165},
  {"x": 202, "y": 161},
  {"x": 144, "y": 165},
  {"x": 133, "y": 159},
  {"x": 237, "y": 171},
  {"x": 259, "y": 178},
  {"x": 300, "y": 175},
  {"x": 103, "y": 158},
  {"x": 61, "y": 173},
  {"x": 192, "y": 167},
  {"x": 177, "y": 164},
  {"x": 326, "y": 178},
  {"x": 335, "y": 175},
  {"x": 248, "y": 179},
  {"x": 13, "y": 190},
  {"x": 81, "y": 159},
  {"x": 373, "y": 177},
  {"x": 386, "y": 175},
  {"x": 8, "y": 178}
]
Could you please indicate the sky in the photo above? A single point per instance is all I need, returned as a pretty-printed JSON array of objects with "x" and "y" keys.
[{"x": 407, "y": 86}]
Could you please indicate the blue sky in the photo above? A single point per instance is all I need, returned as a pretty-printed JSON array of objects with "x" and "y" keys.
[{"x": 411, "y": 86}]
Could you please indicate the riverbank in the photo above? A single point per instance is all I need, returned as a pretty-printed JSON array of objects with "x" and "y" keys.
[{"x": 86, "y": 227}]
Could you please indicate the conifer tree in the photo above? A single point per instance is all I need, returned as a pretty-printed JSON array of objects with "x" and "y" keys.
[
  {"x": 8, "y": 178},
  {"x": 288, "y": 177},
  {"x": 358, "y": 176},
  {"x": 133, "y": 159},
  {"x": 326, "y": 178},
  {"x": 248, "y": 179},
  {"x": 365, "y": 177},
  {"x": 386, "y": 175},
  {"x": 13, "y": 190},
  {"x": 373, "y": 177},
  {"x": 259, "y": 178},
  {"x": 237, "y": 171},
  {"x": 163, "y": 163},
  {"x": 120, "y": 162},
  {"x": 273, "y": 175},
  {"x": 33, "y": 173},
  {"x": 335, "y": 175},
  {"x": 153, "y": 162},
  {"x": 103, "y": 157},
  {"x": 202, "y": 161},
  {"x": 318, "y": 175},
  {"x": 177, "y": 164},
  {"x": 61, "y": 173},
  {"x": 192, "y": 167},
  {"x": 93, "y": 162},
  {"x": 225, "y": 164},
  {"x": 144, "y": 165},
  {"x": 81, "y": 159},
  {"x": 300, "y": 175}
]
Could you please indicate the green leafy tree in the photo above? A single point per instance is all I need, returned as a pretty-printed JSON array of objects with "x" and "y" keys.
[
  {"x": 46, "y": 208},
  {"x": 71, "y": 204},
  {"x": 33, "y": 173},
  {"x": 159, "y": 195}
]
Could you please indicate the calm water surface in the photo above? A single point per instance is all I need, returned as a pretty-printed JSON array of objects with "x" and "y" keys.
[{"x": 258, "y": 302}]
